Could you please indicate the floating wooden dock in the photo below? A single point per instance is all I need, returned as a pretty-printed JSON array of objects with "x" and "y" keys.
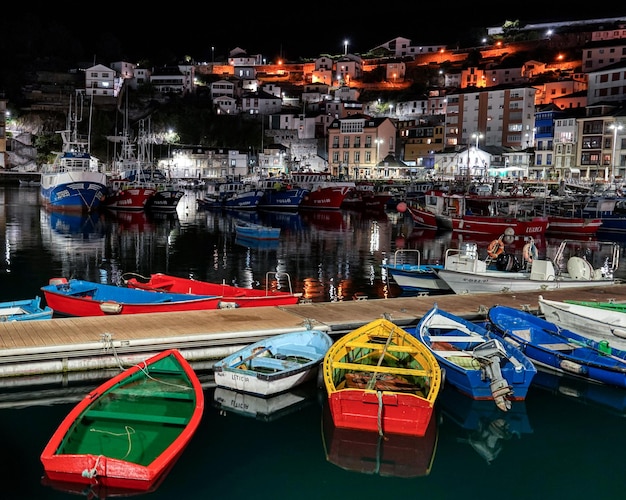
[{"x": 66, "y": 345}]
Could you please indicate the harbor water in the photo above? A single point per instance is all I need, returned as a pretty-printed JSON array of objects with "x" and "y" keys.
[{"x": 564, "y": 441}]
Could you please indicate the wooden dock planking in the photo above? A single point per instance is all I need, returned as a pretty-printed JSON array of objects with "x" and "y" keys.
[{"x": 220, "y": 330}]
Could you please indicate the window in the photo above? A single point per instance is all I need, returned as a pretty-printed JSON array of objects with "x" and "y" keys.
[{"x": 346, "y": 142}]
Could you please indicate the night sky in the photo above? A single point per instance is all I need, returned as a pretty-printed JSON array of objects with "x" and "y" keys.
[{"x": 288, "y": 29}]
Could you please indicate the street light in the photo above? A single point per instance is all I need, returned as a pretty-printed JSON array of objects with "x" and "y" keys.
[
  {"x": 345, "y": 47},
  {"x": 212, "y": 54},
  {"x": 477, "y": 136},
  {"x": 614, "y": 127},
  {"x": 378, "y": 142}
]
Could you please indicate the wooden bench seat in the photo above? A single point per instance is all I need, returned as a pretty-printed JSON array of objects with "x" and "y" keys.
[{"x": 136, "y": 417}]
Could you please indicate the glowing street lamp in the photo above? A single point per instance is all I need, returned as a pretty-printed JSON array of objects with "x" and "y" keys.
[
  {"x": 378, "y": 142},
  {"x": 477, "y": 136},
  {"x": 345, "y": 47},
  {"x": 614, "y": 127}
]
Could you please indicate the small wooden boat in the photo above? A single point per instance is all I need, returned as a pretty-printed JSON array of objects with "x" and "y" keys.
[
  {"x": 594, "y": 322},
  {"x": 275, "y": 364},
  {"x": 86, "y": 298},
  {"x": 24, "y": 310},
  {"x": 130, "y": 430},
  {"x": 256, "y": 231},
  {"x": 413, "y": 276},
  {"x": 476, "y": 362},
  {"x": 381, "y": 378},
  {"x": 238, "y": 296},
  {"x": 609, "y": 304},
  {"x": 367, "y": 452},
  {"x": 559, "y": 349}
]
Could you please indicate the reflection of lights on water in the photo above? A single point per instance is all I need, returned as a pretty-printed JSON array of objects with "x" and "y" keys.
[
  {"x": 374, "y": 237},
  {"x": 7, "y": 255},
  {"x": 312, "y": 289},
  {"x": 371, "y": 275}
]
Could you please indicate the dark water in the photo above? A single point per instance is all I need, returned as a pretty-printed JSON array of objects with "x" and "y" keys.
[{"x": 565, "y": 441}]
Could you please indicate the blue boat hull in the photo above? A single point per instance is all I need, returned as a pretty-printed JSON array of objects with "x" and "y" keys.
[
  {"x": 80, "y": 196},
  {"x": 559, "y": 349},
  {"x": 288, "y": 199}
]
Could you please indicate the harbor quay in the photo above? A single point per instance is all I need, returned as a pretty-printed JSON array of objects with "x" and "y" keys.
[{"x": 87, "y": 344}]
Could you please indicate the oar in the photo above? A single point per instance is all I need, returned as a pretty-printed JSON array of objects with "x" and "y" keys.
[
  {"x": 253, "y": 355},
  {"x": 589, "y": 343},
  {"x": 372, "y": 382}
]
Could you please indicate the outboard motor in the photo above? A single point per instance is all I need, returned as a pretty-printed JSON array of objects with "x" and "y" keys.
[{"x": 489, "y": 354}]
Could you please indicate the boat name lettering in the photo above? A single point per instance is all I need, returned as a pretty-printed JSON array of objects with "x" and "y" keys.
[
  {"x": 239, "y": 378},
  {"x": 63, "y": 194}
]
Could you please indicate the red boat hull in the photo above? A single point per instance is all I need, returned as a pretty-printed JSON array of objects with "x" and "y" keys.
[
  {"x": 325, "y": 198},
  {"x": 573, "y": 225},
  {"x": 392, "y": 455},
  {"x": 361, "y": 410},
  {"x": 132, "y": 198},
  {"x": 243, "y": 297},
  {"x": 496, "y": 226},
  {"x": 115, "y": 473}
]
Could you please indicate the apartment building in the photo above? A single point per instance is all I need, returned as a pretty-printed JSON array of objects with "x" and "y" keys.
[
  {"x": 504, "y": 115},
  {"x": 358, "y": 144}
]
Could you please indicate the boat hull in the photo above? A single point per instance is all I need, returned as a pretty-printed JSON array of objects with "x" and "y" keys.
[
  {"x": 287, "y": 199},
  {"x": 367, "y": 390},
  {"x": 84, "y": 298},
  {"x": 503, "y": 282},
  {"x": 130, "y": 198},
  {"x": 73, "y": 191},
  {"x": 24, "y": 310},
  {"x": 242, "y": 297},
  {"x": 558, "y": 349},
  {"x": 274, "y": 365},
  {"x": 325, "y": 198},
  {"x": 165, "y": 200},
  {"x": 452, "y": 341},
  {"x": 155, "y": 406}
]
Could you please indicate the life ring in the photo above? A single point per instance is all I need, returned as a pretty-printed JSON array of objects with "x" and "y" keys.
[
  {"x": 529, "y": 252},
  {"x": 495, "y": 248}
]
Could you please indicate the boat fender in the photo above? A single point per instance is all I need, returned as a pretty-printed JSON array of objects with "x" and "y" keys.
[
  {"x": 570, "y": 366},
  {"x": 227, "y": 305},
  {"x": 111, "y": 307},
  {"x": 529, "y": 252},
  {"x": 495, "y": 248}
]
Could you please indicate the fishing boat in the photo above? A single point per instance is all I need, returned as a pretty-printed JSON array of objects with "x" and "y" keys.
[
  {"x": 575, "y": 264},
  {"x": 130, "y": 430},
  {"x": 274, "y": 365},
  {"x": 558, "y": 349},
  {"x": 475, "y": 214},
  {"x": 278, "y": 194},
  {"x": 476, "y": 362},
  {"x": 86, "y": 298},
  {"x": 127, "y": 195},
  {"x": 411, "y": 275},
  {"x": 73, "y": 182},
  {"x": 323, "y": 192},
  {"x": 256, "y": 231},
  {"x": 596, "y": 323},
  {"x": 368, "y": 452},
  {"x": 24, "y": 310},
  {"x": 241, "y": 297},
  {"x": 381, "y": 378}
]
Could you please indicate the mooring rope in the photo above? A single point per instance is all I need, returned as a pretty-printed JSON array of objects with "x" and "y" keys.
[
  {"x": 380, "y": 412},
  {"x": 128, "y": 432}
]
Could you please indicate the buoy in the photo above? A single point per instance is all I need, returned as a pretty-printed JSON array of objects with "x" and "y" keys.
[{"x": 401, "y": 207}]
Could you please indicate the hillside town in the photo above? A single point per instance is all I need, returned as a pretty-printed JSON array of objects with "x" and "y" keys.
[{"x": 535, "y": 102}]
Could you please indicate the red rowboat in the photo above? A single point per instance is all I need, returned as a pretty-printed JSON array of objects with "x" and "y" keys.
[
  {"x": 241, "y": 297},
  {"x": 86, "y": 298},
  {"x": 127, "y": 433}
]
